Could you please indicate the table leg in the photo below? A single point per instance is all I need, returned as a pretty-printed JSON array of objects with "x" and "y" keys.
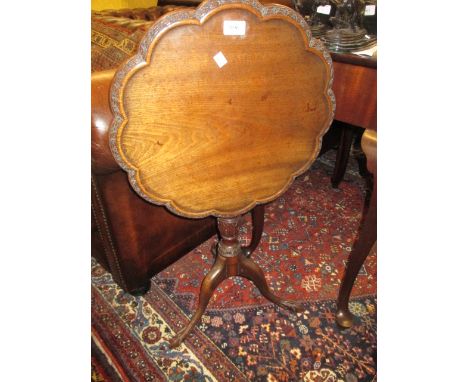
[
  {"x": 212, "y": 279},
  {"x": 342, "y": 155},
  {"x": 230, "y": 261},
  {"x": 367, "y": 236},
  {"x": 254, "y": 273},
  {"x": 258, "y": 220}
]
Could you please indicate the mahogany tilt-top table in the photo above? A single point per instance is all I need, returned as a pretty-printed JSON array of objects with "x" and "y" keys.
[{"x": 229, "y": 132}]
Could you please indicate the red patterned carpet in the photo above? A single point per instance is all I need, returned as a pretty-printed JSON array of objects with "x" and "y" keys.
[{"x": 242, "y": 337}]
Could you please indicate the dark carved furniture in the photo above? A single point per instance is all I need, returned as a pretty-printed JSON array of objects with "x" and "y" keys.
[
  {"x": 229, "y": 132},
  {"x": 348, "y": 33},
  {"x": 194, "y": 3},
  {"x": 308, "y": 8},
  {"x": 367, "y": 235}
]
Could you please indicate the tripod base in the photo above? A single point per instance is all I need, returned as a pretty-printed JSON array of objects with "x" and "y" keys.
[{"x": 230, "y": 261}]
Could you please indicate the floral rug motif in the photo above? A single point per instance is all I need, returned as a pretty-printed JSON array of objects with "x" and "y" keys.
[{"x": 307, "y": 238}]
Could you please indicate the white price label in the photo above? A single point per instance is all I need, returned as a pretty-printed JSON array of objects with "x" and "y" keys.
[
  {"x": 324, "y": 9},
  {"x": 234, "y": 27},
  {"x": 220, "y": 59},
  {"x": 370, "y": 10}
]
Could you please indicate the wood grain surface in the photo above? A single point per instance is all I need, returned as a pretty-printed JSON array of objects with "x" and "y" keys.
[
  {"x": 355, "y": 88},
  {"x": 207, "y": 139}
]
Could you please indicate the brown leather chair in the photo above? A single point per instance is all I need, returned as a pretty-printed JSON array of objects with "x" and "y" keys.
[{"x": 131, "y": 238}]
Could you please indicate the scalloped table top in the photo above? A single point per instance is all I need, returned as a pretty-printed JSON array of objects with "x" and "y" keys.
[{"x": 222, "y": 108}]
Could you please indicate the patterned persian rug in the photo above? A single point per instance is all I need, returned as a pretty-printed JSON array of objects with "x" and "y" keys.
[{"x": 308, "y": 235}]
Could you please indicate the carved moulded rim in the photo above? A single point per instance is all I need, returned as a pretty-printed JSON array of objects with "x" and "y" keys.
[{"x": 198, "y": 16}]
